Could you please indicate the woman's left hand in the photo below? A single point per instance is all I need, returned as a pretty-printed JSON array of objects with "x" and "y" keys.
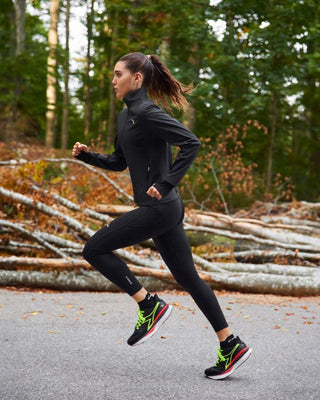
[{"x": 153, "y": 192}]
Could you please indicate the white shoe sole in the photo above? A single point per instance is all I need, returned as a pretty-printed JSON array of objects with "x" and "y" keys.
[
  {"x": 157, "y": 326},
  {"x": 236, "y": 365}
]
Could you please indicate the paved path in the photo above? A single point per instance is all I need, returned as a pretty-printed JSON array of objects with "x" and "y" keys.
[{"x": 72, "y": 345}]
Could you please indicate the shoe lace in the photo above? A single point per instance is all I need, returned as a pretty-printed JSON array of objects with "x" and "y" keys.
[
  {"x": 221, "y": 358},
  {"x": 141, "y": 318}
]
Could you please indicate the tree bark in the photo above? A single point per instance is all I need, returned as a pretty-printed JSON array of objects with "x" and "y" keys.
[
  {"x": 112, "y": 98},
  {"x": 51, "y": 117},
  {"x": 87, "y": 109},
  {"x": 76, "y": 280},
  {"x": 28, "y": 234},
  {"x": 273, "y": 124},
  {"x": 38, "y": 205},
  {"x": 305, "y": 284},
  {"x": 190, "y": 115},
  {"x": 282, "y": 239},
  {"x": 11, "y": 133},
  {"x": 73, "y": 206},
  {"x": 65, "y": 117}
]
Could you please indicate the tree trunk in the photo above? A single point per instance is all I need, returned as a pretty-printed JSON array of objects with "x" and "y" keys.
[
  {"x": 19, "y": 23},
  {"x": 112, "y": 98},
  {"x": 87, "y": 110},
  {"x": 270, "y": 278},
  {"x": 76, "y": 280},
  {"x": 102, "y": 121},
  {"x": 273, "y": 125},
  {"x": 65, "y": 118},
  {"x": 20, "y": 6},
  {"x": 51, "y": 94},
  {"x": 190, "y": 114}
]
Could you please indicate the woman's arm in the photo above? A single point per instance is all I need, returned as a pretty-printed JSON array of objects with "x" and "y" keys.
[
  {"x": 114, "y": 162},
  {"x": 162, "y": 125}
]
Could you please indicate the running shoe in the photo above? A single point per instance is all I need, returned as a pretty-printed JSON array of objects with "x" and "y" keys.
[
  {"x": 229, "y": 360},
  {"x": 149, "y": 321}
]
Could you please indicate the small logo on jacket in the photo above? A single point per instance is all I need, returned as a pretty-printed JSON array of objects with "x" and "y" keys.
[{"x": 133, "y": 121}]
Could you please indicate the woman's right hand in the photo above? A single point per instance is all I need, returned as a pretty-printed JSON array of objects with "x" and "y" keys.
[{"x": 78, "y": 147}]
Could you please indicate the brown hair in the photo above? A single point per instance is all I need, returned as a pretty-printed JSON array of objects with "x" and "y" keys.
[{"x": 161, "y": 84}]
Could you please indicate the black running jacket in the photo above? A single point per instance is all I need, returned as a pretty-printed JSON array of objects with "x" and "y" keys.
[{"x": 145, "y": 133}]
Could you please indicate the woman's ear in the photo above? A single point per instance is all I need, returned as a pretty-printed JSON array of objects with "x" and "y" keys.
[{"x": 138, "y": 77}]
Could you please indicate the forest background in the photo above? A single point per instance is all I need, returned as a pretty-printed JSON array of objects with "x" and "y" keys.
[{"x": 255, "y": 65}]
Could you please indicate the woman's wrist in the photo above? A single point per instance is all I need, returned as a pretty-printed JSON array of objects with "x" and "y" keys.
[{"x": 163, "y": 187}]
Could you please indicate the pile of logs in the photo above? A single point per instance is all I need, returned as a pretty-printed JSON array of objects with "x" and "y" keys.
[{"x": 292, "y": 237}]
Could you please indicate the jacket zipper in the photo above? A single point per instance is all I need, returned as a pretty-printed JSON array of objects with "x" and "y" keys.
[{"x": 149, "y": 175}]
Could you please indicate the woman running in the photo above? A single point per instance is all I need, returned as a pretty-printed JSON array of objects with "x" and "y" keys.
[{"x": 145, "y": 133}]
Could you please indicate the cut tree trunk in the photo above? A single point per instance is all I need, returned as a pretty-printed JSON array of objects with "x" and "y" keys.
[{"x": 304, "y": 282}]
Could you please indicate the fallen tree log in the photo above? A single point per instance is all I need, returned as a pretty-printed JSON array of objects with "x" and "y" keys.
[
  {"x": 267, "y": 268},
  {"x": 262, "y": 254},
  {"x": 236, "y": 276},
  {"x": 312, "y": 206},
  {"x": 113, "y": 209},
  {"x": 225, "y": 230},
  {"x": 309, "y": 227},
  {"x": 73, "y": 206},
  {"x": 69, "y": 221},
  {"x": 24, "y": 248},
  {"x": 252, "y": 238},
  {"x": 33, "y": 236},
  {"x": 313, "y": 226},
  {"x": 49, "y": 237},
  {"x": 265, "y": 233},
  {"x": 75, "y": 280},
  {"x": 306, "y": 281}
]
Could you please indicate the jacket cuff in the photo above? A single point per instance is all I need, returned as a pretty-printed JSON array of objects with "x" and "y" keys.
[
  {"x": 83, "y": 156},
  {"x": 163, "y": 187}
]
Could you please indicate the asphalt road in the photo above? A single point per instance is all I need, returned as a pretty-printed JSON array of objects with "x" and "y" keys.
[{"x": 72, "y": 345}]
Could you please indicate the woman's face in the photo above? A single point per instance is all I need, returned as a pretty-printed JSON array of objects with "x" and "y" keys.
[{"x": 124, "y": 81}]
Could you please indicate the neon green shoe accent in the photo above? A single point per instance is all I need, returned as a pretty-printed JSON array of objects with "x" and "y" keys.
[
  {"x": 227, "y": 358},
  {"x": 150, "y": 318},
  {"x": 141, "y": 318},
  {"x": 220, "y": 357}
]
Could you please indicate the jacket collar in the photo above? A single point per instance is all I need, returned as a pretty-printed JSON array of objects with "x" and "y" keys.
[{"x": 134, "y": 95}]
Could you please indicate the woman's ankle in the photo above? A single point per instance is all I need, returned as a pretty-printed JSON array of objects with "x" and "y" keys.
[
  {"x": 223, "y": 334},
  {"x": 140, "y": 295}
]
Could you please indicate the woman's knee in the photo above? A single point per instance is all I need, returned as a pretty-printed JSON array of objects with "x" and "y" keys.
[
  {"x": 191, "y": 282},
  {"x": 96, "y": 244},
  {"x": 87, "y": 252}
]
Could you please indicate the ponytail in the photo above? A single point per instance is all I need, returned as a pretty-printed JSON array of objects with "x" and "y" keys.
[{"x": 161, "y": 84}]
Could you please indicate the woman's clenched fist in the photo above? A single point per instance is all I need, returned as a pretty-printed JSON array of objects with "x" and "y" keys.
[{"x": 78, "y": 147}]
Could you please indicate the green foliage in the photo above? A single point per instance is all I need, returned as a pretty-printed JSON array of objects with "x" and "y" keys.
[
  {"x": 10, "y": 209},
  {"x": 265, "y": 67},
  {"x": 52, "y": 171},
  {"x": 81, "y": 191}
]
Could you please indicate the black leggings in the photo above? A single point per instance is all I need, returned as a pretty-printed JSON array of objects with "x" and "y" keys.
[{"x": 163, "y": 223}]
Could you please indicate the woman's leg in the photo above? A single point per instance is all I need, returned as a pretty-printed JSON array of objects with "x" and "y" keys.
[
  {"x": 175, "y": 250},
  {"x": 132, "y": 227}
]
